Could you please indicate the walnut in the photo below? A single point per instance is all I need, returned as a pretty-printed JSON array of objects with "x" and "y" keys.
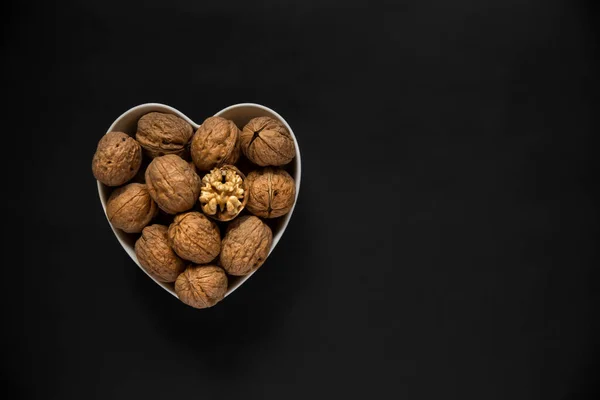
[
  {"x": 130, "y": 208},
  {"x": 194, "y": 237},
  {"x": 271, "y": 192},
  {"x": 117, "y": 159},
  {"x": 224, "y": 193},
  {"x": 246, "y": 245},
  {"x": 153, "y": 252},
  {"x": 215, "y": 143},
  {"x": 172, "y": 183},
  {"x": 266, "y": 141},
  {"x": 201, "y": 286},
  {"x": 161, "y": 134}
]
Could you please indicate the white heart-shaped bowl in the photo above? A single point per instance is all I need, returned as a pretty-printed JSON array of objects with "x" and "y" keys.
[{"x": 240, "y": 114}]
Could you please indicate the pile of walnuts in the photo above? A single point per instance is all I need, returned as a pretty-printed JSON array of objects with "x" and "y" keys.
[{"x": 198, "y": 217}]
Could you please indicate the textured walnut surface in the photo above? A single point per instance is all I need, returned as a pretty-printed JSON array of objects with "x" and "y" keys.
[
  {"x": 215, "y": 143},
  {"x": 117, "y": 159},
  {"x": 271, "y": 192},
  {"x": 194, "y": 237},
  {"x": 201, "y": 286},
  {"x": 156, "y": 256},
  {"x": 130, "y": 208},
  {"x": 172, "y": 183},
  {"x": 245, "y": 246},
  {"x": 161, "y": 134},
  {"x": 266, "y": 141},
  {"x": 223, "y": 194}
]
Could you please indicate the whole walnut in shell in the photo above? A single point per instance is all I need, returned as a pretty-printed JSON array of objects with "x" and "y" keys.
[
  {"x": 153, "y": 252},
  {"x": 246, "y": 245},
  {"x": 215, "y": 143},
  {"x": 161, "y": 134},
  {"x": 117, "y": 159},
  {"x": 266, "y": 141},
  {"x": 271, "y": 192},
  {"x": 194, "y": 237},
  {"x": 224, "y": 193},
  {"x": 201, "y": 286},
  {"x": 172, "y": 183},
  {"x": 130, "y": 208}
]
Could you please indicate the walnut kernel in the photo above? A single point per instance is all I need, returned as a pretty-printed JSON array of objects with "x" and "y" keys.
[{"x": 223, "y": 194}]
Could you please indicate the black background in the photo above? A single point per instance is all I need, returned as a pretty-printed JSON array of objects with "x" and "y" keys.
[{"x": 444, "y": 244}]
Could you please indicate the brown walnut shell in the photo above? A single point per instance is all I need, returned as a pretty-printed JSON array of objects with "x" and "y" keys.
[
  {"x": 160, "y": 134},
  {"x": 271, "y": 192},
  {"x": 156, "y": 256},
  {"x": 215, "y": 143},
  {"x": 117, "y": 159},
  {"x": 201, "y": 286},
  {"x": 172, "y": 183},
  {"x": 130, "y": 208},
  {"x": 194, "y": 237},
  {"x": 245, "y": 246},
  {"x": 219, "y": 187},
  {"x": 266, "y": 141}
]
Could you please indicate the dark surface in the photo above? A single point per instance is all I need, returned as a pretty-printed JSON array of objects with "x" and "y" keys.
[{"x": 444, "y": 245}]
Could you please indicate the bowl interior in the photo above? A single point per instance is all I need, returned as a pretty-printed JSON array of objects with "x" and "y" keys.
[{"x": 240, "y": 114}]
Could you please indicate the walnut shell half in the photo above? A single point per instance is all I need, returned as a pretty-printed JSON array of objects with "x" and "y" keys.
[
  {"x": 130, "y": 208},
  {"x": 224, "y": 193},
  {"x": 117, "y": 159},
  {"x": 194, "y": 237},
  {"x": 153, "y": 252},
  {"x": 172, "y": 183},
  {"x": 201, "y": 286},
  {"x": 271, "y": 192},
  {"x": 161, "y": 134},
  {"x": 266, "y": 141},
  {"x": 215, "y": 143},
  {"x": 246, "y": 245}
]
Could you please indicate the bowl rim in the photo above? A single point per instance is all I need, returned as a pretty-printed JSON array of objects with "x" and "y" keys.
[{"x": 297, "y": 161}]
